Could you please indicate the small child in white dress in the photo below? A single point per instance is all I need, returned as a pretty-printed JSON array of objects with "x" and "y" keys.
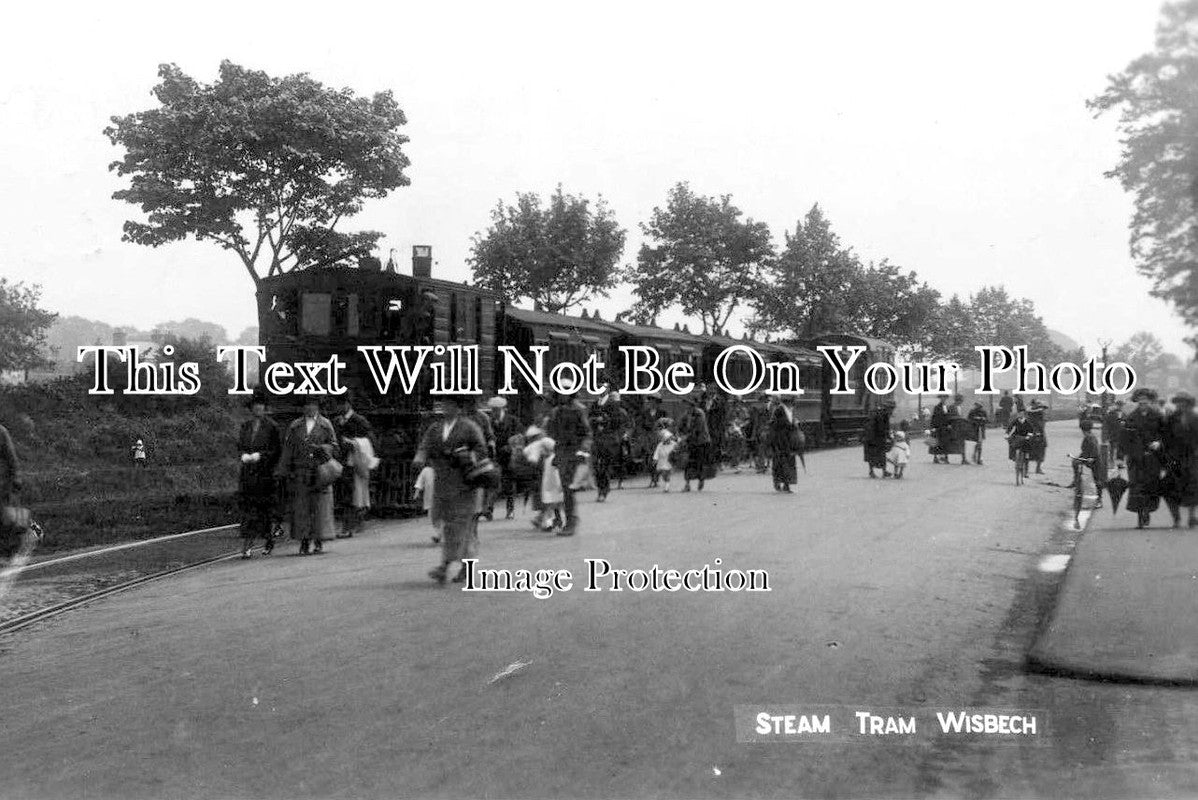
[
  {"x": 899, "y": 454},
  {"x": 661, "y": 458}
]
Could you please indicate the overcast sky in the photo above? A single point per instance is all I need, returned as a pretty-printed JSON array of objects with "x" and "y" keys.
[{"x": 949, "y": 137}]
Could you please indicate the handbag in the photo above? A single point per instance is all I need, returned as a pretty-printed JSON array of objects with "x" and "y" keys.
[
  {"x": 584, "y": 479},
  {"x": 328, "y": 473},
  {"x": 485, "y": 474}
]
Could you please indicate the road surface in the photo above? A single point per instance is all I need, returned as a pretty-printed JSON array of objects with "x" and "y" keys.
[{"x": 351, "y": 675}]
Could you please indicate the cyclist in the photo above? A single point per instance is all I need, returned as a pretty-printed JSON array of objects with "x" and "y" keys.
[{"x": 1021, "y": 434}]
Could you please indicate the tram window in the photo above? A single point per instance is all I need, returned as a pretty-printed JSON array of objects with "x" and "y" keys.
[
  {"x": 453, "y": 316},
  {"x": 316, "y": 313},
  {"x": 478, "y": 319},
  {"x": 353, "y": 324},
  {"x": 392, "y": 318}
]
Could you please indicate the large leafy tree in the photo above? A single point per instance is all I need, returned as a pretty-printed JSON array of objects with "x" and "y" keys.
[
  {"x": 23, "y": 326},
  {"x": 951, "y": 333},
  {"x": 1000, "y": 319},
  {"x": 1157, "y": 99},
  {"x": 264, "y": 167},
  {"x": 888, "y": 303},
  {"x": 700, "y": 255},
  {"x": 808, "y": 288},
  {"x": 559, "y": 256}
]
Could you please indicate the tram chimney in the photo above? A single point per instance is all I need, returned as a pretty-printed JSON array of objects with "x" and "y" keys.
[{"x": 422, "y": 261}]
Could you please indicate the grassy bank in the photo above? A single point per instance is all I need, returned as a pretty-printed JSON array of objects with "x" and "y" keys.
[{"x": 76, "y": 466}]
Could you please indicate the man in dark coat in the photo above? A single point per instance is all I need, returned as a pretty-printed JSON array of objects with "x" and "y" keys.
[
  {"x": 941, "y": 431},
  {"x": 570, "y": 427},
  {"x": 1112, "y": 428},
  {"x": 782, "y": 444},
  {"x": 696, "y": 438},
  {"x": 1180, "y": 452},
  {"x": 979, "y": 419},
  {"x": 503, "y": 427},
  {"x": 1036, "y": 415},
  {"x": 8, "y": 468},
  {"x": 611, "y": 424},
  {"x": 1143, "y": 432},
  {"x": 259, "y": 443},
  {"x": 876, "y": 439},
  {"x": 1005, "y": 404}
]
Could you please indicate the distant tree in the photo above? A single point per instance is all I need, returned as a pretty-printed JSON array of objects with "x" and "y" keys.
[
  {"x": 951, "y": 334},
  {"x": 700, "y": 255},
  {"x": 559, "y": 256},
  {"x": 195, "y": 329},
  {"x": 23, "y": 327},
  {"x": 808, "y": 288},
  {"x": 248, "y": 336},
  {"x": 265, "y": 167},
  {"x": 1143, "y": 351},
  {"x": 1002, "y": 320},
  {"x": 1157, "y": 96}
]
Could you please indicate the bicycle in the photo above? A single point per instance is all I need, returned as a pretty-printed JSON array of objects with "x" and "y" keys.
[
  {"x": 1079, "y": 464},
  {"x": 1021, "y": 445}
]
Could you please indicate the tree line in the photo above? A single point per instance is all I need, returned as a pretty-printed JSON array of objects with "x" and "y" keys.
[{"x": 704, "y": 256}]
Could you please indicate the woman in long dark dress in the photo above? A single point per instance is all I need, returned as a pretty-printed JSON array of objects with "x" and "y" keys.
[
  {"x": 876, "y": 440},
  {"x": 782, "y": 428},
  {"x": 1180, "y": 449},
  {"x": 1143, "y": 431},
  {"x": 698, "y": 444},
  {"x": 449, "y": 446},
  {"x": 1035, "y": 414},
  {"x": 309, "y": 442},
  {"x": 259, "y": 444}
]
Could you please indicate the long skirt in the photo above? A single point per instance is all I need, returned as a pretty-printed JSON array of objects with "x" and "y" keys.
[
  {"x": 311, "y": 511},
  {"x": 786, "y": 470},
  {"x": 875, "y": 454},
  {"x": 360, "y": 496},
  {"x": 459, "y": 537},
  {"x": 697, "y": 456},
  {"x": 1180, "y": 484},
  {"x": 1144, "y": 484},
  {"x": 256, "y": 499}
]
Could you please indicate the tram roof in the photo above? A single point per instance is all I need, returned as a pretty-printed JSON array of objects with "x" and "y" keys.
[{"x": 559, "y": 320}]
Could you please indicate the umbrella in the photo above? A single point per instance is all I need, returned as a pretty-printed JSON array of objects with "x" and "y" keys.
[
  {"x": 1116, "y": 487},
  {"x": 803, "y": 461}
]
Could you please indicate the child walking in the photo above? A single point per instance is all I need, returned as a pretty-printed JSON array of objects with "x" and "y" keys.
[
  {"x": 899, "y": 454},
  {"x": 662, "y": 467}
]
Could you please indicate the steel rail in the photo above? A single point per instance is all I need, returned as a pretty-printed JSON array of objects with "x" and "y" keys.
[{"x": 25, "y": 620}]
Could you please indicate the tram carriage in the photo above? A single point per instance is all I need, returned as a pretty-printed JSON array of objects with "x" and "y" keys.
[
  {"x": 844, "y": 415},
  {"x": 310, "y": 315}
]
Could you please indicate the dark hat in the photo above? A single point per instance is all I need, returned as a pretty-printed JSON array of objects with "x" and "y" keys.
[
  {"x": 312, "y": 400},
  {"x": 1038, "y": 406},
  {"x": 1183, "y": 397},
  {"x": 256, "y": 397},
  {"x": 1087, "y": 425},
  {"x": 1143, "y": 393},
  {"x": 458, "y": 399}
]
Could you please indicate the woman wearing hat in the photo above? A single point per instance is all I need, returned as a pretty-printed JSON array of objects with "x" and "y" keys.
[
  {"x": 449, "y": 446},
  {"x": 259, "y": 444},
  {"x": 697, "y": 441},
  {"x": 503, "y": 426},
  {"x": 1038, "y": 445},
  {"x": 876, "y": 439},
  {"x": 1180, "y": 451},
  {"x": 782, "y": 428},
  {"x": 309, "y": 442},
  {"x": 1143, "y": 432}
]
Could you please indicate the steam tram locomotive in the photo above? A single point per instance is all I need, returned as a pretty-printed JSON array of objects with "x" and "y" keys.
[{"x": 311, "y": 315}]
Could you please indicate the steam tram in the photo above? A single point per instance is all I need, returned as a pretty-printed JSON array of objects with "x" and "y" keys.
[{"x": 311, "y": 315}]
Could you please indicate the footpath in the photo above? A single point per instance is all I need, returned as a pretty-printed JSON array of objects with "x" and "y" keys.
[{"x": 1128, "y": 608}]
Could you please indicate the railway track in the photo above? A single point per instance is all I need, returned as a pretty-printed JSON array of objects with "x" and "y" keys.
[{"x": 74, "y": 575}]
